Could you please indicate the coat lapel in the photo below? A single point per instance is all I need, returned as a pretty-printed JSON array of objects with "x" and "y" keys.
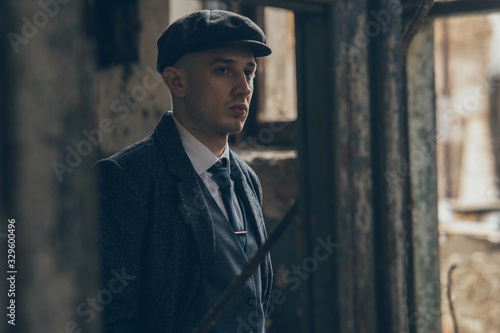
[
  {"x": 252, "y": 205},
  {"x": 193, "y": 206},
  {"x": 249, "y": 199}
]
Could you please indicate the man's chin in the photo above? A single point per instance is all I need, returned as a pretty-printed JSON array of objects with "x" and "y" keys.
[
  {"x": 234, "y": 131},
  {"x": 234, "y": 128}
]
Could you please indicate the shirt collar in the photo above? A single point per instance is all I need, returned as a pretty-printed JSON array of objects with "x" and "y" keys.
[{"x": 200, "y": 156}]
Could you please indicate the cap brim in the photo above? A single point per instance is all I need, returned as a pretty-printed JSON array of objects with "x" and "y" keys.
[{"x": 259, "y": 49}]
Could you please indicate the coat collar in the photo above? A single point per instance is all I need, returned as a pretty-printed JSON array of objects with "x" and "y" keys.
[
  {"x": 177, "y": 161},
  {"x": 200, "y": 156}
]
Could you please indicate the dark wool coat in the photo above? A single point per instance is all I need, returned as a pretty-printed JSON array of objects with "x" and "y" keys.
[{"x": 157, "y": 238}]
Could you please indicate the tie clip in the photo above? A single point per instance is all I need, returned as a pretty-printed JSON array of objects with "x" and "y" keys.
[{"x": 244, "y": 232}]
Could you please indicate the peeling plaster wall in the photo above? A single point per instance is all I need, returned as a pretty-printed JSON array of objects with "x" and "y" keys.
[{"x": 134, "y": 97}]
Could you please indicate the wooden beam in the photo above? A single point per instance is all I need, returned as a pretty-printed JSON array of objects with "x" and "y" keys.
[
  {"x": 316, "y": 182},
  {"x": 464, "y": 7},
  {"x": 390, "y": 182},
  {"x": 477, "y": 207},
  {"x": 425, "y": 316},
  {"x": 472, "y": 229},
  {"x": 296, "y": 6},
  {"x": 352, "y": 172},
  {"x": 351, "y": 139},
  {"x": 494, "y": 118}
]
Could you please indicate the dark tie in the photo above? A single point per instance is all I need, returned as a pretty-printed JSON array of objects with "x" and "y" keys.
[{"x": 221, "y": 177}]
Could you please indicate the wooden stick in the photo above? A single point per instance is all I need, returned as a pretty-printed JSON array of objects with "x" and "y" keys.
[
  {"x": 416, "y": 22},
  {"x": 450, "y": 302}
]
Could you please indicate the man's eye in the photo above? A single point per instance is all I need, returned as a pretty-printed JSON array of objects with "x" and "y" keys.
[
  {"x": 223, "y": 70},
  {"x": 249, "y": 73}
]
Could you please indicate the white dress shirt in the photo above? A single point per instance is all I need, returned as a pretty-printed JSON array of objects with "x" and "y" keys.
[{"x": 202, "y": 159}]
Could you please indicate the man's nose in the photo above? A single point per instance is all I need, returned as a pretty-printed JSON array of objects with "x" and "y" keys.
[{"x": 244, "y": 85}]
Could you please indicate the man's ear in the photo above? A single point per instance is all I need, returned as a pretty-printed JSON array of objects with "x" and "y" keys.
[{"x": 175, "y": 79}]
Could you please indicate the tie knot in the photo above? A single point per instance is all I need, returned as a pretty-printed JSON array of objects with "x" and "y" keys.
[{"x": 221, "y": 174}]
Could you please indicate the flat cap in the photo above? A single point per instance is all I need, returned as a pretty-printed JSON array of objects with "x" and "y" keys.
[{"x": 205, "y": 30}]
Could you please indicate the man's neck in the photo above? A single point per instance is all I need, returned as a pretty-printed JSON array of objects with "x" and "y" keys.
[
  {"x": 216, "y": 146},
  {"x": 215, "y": 143}
]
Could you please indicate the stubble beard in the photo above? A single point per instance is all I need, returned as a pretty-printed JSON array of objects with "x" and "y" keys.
[{"x": 221, "y": 127}]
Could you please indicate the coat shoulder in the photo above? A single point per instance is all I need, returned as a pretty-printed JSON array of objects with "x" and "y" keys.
[
  {"x": 140, "y": 155},
  {"x": 137, "y": 168}
]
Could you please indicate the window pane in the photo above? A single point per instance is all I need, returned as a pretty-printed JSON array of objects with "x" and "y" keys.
[{"x": 279, "y": 102}]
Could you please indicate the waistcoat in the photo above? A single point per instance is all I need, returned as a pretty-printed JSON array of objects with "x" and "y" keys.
[{"x": 245, "y": 314}]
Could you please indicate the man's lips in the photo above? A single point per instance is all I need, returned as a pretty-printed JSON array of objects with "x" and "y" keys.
[{"x": 239, "y": 109}]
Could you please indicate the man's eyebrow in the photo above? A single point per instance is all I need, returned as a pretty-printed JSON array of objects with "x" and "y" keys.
[{"x": 230, "y": 61}]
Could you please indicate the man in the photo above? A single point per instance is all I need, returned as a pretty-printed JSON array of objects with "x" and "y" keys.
[{"x": 180, "y": 212}]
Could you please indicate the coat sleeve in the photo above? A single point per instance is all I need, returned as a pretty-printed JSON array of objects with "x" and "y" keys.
[{"x": 122, "y": 219}]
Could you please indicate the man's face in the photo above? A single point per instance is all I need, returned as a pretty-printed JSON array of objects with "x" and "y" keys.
[{"x": 219, "y": 87}]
